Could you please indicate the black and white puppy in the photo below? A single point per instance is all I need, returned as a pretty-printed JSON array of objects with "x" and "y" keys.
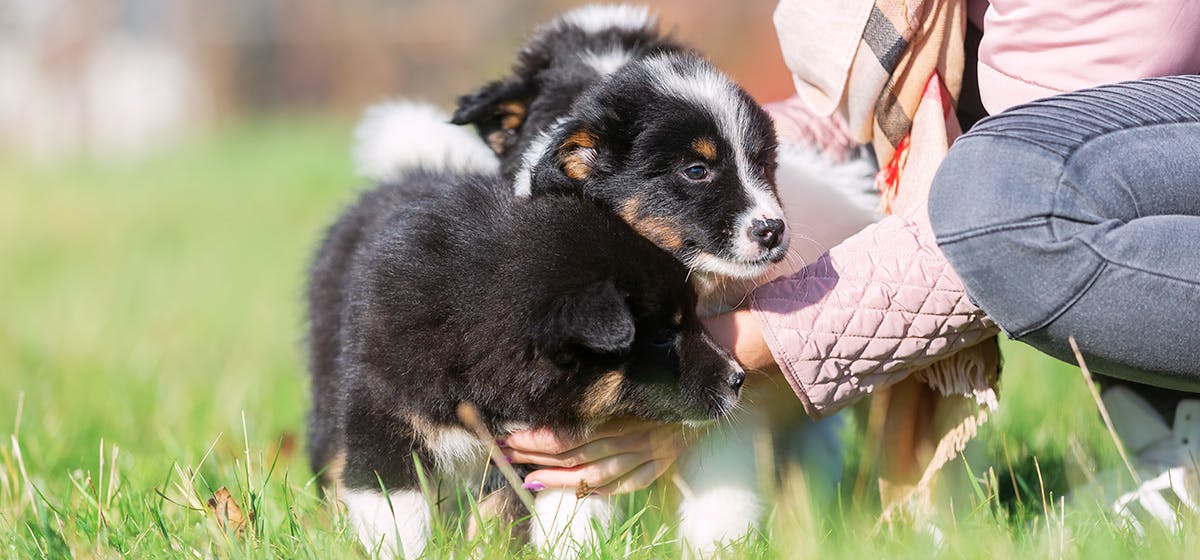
[
  {"x": 601, "y": 103},
  {"x": 441, "y": 287}
]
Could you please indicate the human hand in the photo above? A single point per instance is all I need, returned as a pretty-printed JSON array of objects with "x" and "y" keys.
[
  {"x": 622, "y": 455},
  {"x": 739, "y": 333}
]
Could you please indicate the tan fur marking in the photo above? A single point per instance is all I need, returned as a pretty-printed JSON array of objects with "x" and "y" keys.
[
  {"x": 706, "y": 148},
  {"x": 583, "y": 138},
  {"x": 577, "y": 153},
  {"x": 601, "y": 397},
  {"x": 661, "y": 230},
  {"x": 453, "y": 447},
  {"x": 496, "y": 141},
  {"x": 512, "y": 114},
  {"x": 629, "y": 210},
  {"x": 332, "y": 477},
  {"x": 678, "y": 318}
]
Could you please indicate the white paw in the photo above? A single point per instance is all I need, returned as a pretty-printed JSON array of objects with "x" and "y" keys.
[
  {"x": 564, "y": 526},
  {"x": 379, "y": 526}
]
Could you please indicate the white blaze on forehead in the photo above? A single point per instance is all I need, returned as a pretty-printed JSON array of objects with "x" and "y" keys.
[
  {"x": 596, "y": 18},
  {"x": 710, "y": 90},
  {"x": 607, "y": 62}
]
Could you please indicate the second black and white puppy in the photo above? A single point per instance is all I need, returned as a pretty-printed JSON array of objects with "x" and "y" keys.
[
  {"x": 601, "y": 103},
  {"x": 441, "y": 287}
]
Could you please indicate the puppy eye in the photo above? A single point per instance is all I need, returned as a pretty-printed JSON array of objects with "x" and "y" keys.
[{"x": 696, "y": 172}]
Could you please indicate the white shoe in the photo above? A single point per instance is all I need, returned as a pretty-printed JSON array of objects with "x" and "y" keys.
[{"x": 1165, "y": 457}]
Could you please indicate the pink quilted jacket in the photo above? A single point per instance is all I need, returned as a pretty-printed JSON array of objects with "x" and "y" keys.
[{"x": 871, "y": 310}]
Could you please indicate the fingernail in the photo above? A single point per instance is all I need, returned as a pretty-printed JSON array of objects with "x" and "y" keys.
[
  {"x": 500, "y": 442},
  {"x": 509, "y": 459},
  {"x": 534, "y": 486}
]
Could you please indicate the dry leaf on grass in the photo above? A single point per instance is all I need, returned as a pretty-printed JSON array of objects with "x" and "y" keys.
[{"x": 228, "y": 513}]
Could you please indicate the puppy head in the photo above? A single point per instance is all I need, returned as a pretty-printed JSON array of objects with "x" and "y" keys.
[
  {"x": 557, "y": 62},
  {"x": 629, "y": 342},
  {"x": 681, "y": 153}
]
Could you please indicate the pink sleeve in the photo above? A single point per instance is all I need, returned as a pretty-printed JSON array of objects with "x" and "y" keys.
[
  {"x": 1037, "y": 48},
  {"x": 881, "y": 304}
]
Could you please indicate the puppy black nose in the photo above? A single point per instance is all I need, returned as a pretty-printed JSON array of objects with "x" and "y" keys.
[
  {"x": 767, "y": 233},
  {"x": 736, "y": 379}
]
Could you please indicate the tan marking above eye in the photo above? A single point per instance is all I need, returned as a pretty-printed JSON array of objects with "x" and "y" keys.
[
  {"x": 577, "y": 154},
  {"x": 512, "y": 114},
  {"x": 706, "y": 148},
  {"x": 678, "y": 318}
]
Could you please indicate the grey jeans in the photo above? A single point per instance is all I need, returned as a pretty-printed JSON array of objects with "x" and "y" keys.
[{"x": 1079, "y": 215}]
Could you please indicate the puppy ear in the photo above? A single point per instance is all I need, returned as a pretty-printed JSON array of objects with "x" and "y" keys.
[
  {"x": 497, "y": 110},
  {"x": 573, "y": 155},
  {"x": 594, "y": 319}
]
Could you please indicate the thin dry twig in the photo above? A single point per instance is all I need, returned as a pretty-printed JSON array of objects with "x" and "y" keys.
[
  {"x": 1112, "y": 431},
  {"x": 469, "y": 416}
]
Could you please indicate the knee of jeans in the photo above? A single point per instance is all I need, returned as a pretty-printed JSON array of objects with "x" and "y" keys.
[
  {"x": 956, "y": 187},
  {"x": 988, "y": 208},
  {"x": 991, "y": 182}
]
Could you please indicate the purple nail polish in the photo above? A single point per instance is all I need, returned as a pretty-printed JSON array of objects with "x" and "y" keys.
[
  {"x": 500, "y": 443},
  {"x": 534, "y": 486},
  {"x": 509, "y": 459}
]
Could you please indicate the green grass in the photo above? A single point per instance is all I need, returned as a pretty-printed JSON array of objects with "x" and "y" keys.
[{"x": 150, "y": 328}]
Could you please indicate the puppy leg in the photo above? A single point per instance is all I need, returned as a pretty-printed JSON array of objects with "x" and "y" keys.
[
  {"x": 564, "y": 527},
  {"x": 502, "y": 508},
  {"x": 399, "y": 523},
  {"x": 720, "y": 502}
]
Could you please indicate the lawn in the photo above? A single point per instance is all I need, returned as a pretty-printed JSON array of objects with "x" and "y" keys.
[{"x": 150, "y": 353}]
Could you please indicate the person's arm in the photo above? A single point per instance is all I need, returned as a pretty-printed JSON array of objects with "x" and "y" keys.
[
  {"x": 740, "y": 333},
  {"x": 881, "y": 304}
]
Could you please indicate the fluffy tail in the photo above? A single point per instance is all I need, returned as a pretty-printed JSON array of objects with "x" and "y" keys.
[{"x": 397, "y": 136}]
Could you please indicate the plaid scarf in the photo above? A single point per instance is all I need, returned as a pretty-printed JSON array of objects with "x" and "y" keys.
[
  {"x": 872, "y": 63},
  {"x": 893, "y": 70}
]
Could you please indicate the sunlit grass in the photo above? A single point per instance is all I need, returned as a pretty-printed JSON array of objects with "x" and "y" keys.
[{"x": 150, "y": 349}]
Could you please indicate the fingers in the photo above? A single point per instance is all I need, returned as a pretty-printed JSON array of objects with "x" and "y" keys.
[
  {"x": 620, "y": 456},
  {"x": 637, "y": 442},
  {"x": 541, "y": 441},
  {"x": 545, "y": 442},
  {"x": 618, "y": 473},
  {"x": 641, "y": 477}
]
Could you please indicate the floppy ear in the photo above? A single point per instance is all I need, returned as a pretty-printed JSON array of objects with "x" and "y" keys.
[
  {"x": 572, "y": 156},
  {"x": 593, "y": 319},
  {"x": 497, "y": 110}
]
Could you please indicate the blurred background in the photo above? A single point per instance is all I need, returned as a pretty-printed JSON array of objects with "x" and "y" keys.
[
  {"x": 166, "y": 168},
  {"x": 116, "y": 78}
]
